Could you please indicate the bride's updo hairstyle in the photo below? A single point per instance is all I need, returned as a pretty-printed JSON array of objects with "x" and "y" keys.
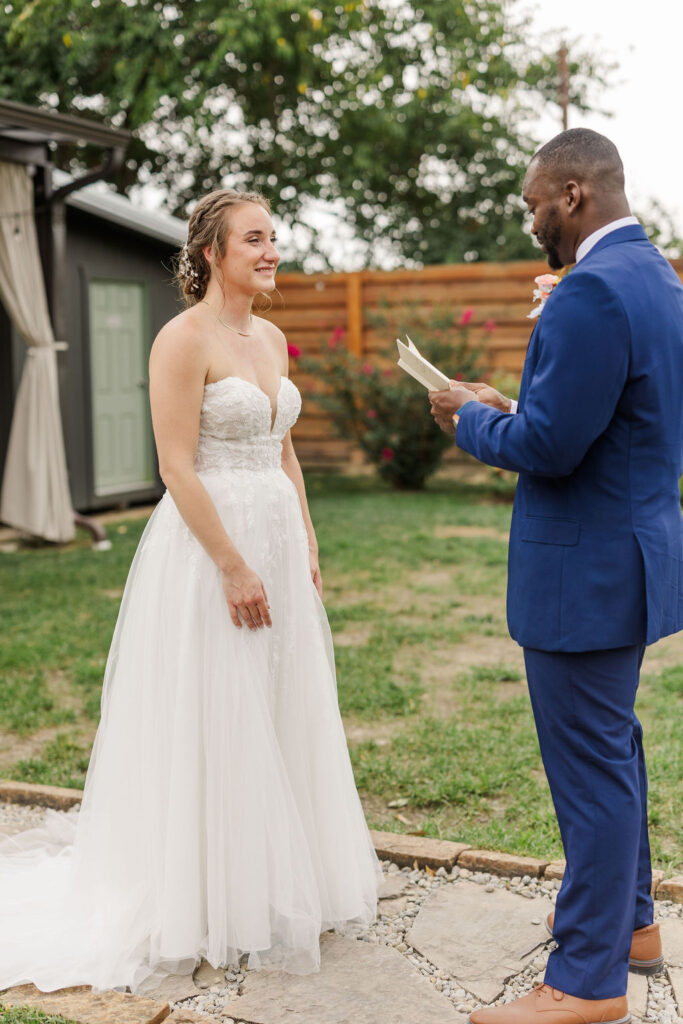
[{"x": 208, "y": 225}]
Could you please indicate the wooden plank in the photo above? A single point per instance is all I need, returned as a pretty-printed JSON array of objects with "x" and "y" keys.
[
  {"x": 310, "y": 318},
  {"x": 509, "y": 312},
  {"x": 354, "y": 313},
  {"x": 451, "y": 293},
  {"x": 462, "y": 272}
]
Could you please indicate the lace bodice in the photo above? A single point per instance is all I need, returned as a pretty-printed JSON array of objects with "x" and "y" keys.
[{"x": 236, "y": 426}]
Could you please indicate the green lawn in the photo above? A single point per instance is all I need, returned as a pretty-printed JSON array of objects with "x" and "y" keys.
[
  {"x": 25, "y": 1015},
  {"x": 431, "y": 687}
]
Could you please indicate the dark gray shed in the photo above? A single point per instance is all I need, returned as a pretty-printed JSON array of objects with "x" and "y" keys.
[{"x": 107, "y": 266}]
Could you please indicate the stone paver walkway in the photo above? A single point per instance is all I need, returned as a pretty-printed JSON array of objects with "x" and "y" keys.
[{"x": 444, "y": 942}]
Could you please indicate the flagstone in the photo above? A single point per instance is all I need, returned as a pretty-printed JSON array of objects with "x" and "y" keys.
[
  {"x": 555, "y": 870},
  {"x": 58, "y": 797},
  {"x": 481, "y": 938},
  {"x": 676, "y": 979},
  {"x": 501, "y": 863},
  {"x": 637, "y": 995},
  {"x": 671, "y": 889},
  {"x": 181, "y": 1016},
  {"x": 81, "y": 1004},
  {"x": 205, "y": 975},
  {"x": 393, "y": 886},
  {"x": 406, "y": 850},
  {"x": 672, "y": 941},
  {"x": 176, "y": 987},
  {"x": 358, "y": 982},
  {"x": 393, "y": 907}
]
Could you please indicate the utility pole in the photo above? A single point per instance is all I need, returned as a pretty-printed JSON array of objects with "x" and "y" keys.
[{"x": 563, "y": 72}]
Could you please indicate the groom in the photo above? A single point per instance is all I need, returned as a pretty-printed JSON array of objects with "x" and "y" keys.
[{"x": 596, "y": 554}]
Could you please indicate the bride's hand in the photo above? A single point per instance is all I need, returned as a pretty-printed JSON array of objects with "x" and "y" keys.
[
  {"x": 246, "y": 597},
  {"x": 315, "y": 572}
]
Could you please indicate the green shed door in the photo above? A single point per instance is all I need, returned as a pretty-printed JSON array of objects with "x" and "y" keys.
[{"x": 122, "y": 434}]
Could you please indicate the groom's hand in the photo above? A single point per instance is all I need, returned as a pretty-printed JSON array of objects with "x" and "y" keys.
[
  {"x": 489, "y": 396},
  {"x": 446, "y": 403}
]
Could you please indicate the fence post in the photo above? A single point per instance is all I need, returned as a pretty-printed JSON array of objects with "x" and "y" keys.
[{"x": 354, "y": 312}]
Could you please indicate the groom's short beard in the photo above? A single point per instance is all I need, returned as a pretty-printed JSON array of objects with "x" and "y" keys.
[{"x": 551, "y": 236}]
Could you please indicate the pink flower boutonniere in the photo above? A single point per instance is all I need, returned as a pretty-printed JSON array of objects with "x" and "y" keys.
[{"x": 546, "y": 283}]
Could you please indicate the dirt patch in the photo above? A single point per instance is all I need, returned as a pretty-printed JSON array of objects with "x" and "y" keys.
[
  {"x": 439, "y": 669},
  {"x": 664, "y": 654},
  {"x": 24, "y": 748},
  {"x": 382, "y": 732},
  {"x": 60, "y": 689},
  {"x": 355, "y": 635},
  {"x": 393, "y": 819},
  {"x": 443, "y": 532},
  {"x": 15, "y": 748}
]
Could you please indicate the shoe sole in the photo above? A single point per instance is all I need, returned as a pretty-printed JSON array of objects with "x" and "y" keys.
[
  {"x": 622, "y": 1020},
  {"x": 646, "y": 966},
  {"x": 635, "y": 966}
]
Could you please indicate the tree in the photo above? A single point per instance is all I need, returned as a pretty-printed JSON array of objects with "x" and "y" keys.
[{"x": 403, "y": 119}]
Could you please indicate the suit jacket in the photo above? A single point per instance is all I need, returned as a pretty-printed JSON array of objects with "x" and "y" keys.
[{"x": 596, "y": 543}]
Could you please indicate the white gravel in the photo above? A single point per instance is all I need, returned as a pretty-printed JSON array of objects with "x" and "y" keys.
[
  {"x": 24, "y": 815},
  {"x": 390, "y": 930}
]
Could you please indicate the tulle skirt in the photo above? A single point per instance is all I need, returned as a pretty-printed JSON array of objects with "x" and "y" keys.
[{"x": 220, "y": 815}]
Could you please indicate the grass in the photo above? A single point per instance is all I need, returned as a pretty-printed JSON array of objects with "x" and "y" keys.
[
  {"x": 27, "y": 1015},
  {"x": 430, "y": 685}
]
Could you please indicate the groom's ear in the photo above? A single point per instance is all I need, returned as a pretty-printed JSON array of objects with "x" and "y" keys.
[{"x": 572, "y": 197}]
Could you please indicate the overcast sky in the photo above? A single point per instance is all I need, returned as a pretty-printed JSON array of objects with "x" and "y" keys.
[{"x": 646, "y": 39}]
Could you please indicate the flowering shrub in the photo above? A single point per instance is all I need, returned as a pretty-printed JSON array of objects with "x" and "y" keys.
[{"x": 384, "y": 410}]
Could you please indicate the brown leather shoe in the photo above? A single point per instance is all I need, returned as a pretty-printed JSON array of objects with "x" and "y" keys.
[
  {"x": 645, "y": 956},
  {"x": 546, "y": 1005}
]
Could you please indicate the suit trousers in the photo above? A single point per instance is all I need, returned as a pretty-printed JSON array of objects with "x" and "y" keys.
[{"x": 591, "y": 745}]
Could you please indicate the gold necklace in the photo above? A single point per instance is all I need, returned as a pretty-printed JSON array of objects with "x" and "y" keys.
[{"x": 236, "y": 330}]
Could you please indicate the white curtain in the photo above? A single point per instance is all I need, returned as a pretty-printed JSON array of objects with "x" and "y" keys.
[{"x": 35, "y": 494}]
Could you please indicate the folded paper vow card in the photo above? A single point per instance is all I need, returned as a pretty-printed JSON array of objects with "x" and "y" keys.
[{"x": 410, "y": 360}]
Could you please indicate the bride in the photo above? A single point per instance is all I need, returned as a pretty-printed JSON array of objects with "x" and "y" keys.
[{"x": 220, "y": 815}]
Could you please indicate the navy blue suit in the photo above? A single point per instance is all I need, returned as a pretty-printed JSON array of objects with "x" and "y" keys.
[{"x": 595, "y": 571}]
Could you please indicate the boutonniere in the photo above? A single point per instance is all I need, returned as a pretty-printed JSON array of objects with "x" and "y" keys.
[{"x": 546, "y": 283}]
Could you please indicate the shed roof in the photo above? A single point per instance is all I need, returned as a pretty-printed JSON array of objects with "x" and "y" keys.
[
  {"x": 28, "y": 124},
  {"x": 100, "y": 201}
]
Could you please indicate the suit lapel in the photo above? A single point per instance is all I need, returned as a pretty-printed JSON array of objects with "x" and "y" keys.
[{"x": 529, "y": 362}]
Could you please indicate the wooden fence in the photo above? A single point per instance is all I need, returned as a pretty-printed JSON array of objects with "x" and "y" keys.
[{"x": 314, "y": 306}]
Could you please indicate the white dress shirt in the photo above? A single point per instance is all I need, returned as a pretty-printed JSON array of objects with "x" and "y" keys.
[
  {"x": 593, "y": 239},
  {"x": 586, "y": 247}
]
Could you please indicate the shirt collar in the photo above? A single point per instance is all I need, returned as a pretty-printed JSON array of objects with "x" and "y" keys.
[{"x": 593, "y": 239}]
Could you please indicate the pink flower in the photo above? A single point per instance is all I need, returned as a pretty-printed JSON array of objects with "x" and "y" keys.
[
  {"x": 387, "y": 372},
  {"x": 293, "y": 351},
  {"x": 459, "y": 376},
  {"x": 546, "y": 282},
  {"x": 337, "y": 335},
  {"x": 490, "y": 325},
  {"x": 367, "y": 369},
  {"x": 372, "y": 414},
  {"x": 387, "y": 454},
  {"x": 467, "y": 315}
]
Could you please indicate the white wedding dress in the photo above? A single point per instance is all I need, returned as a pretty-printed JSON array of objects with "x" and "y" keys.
[{"x": 220, "y": 814}]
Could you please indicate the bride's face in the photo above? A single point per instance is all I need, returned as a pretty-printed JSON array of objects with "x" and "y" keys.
[{"x": 250, "y": 259}]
